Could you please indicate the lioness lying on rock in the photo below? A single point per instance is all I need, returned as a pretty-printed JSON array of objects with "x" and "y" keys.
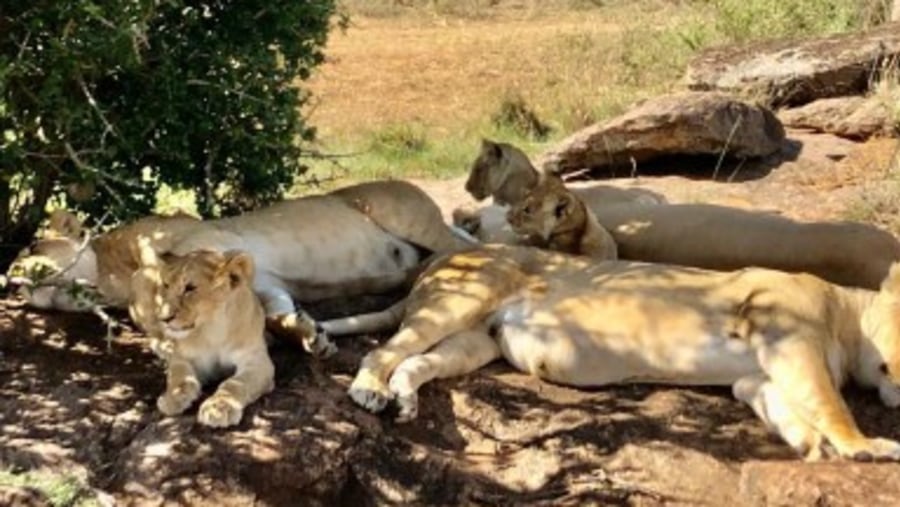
[
  {"x": 203, "y": 305},
  {"x": 699, "y": 235},
  {"x": 784, "y": 342},
  {"x": 367, "y": 238}
]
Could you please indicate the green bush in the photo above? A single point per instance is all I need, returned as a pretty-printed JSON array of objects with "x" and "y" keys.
[{"x": 103, "y": 101}]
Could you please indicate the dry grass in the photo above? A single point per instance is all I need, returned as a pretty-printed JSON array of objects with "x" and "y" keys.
[
  {"x": 412, "y": 85},
  {"x": 442, "y": 78}
]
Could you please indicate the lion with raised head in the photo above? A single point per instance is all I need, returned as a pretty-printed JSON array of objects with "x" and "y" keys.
[
  {"x": 785, "y": 342},
  {"x": 203, "y": 305},
  {"x": 552, "y": 217},
  {"x": 505, "y": 173},
  {"x": 699, "y": 235},
  {"x": 367, "y": 238}
]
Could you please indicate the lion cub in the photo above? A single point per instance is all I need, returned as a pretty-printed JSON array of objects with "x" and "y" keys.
[
  {"x": 205, "y": 309},
  {"x": 556, "y": 219}
]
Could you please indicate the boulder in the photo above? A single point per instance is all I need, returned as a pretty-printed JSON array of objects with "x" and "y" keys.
[
  {"x": 791, "y": 72},
  {"x": 853, "y": 117},
  {"x": 685, "y": 123},
  {"x": 834, "y": 484}
]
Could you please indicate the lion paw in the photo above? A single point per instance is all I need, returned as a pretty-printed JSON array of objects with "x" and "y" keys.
[
  {"x": 220, "y": 412},
  {"x": 317, "y": 342},
  {"x": 369, "y": 392},
  {"x": 878, "y": 449},
  {"x": 409, "y": 407},
  {"x": 406, "y": 398},
  {"x": 178, "y": 398}
]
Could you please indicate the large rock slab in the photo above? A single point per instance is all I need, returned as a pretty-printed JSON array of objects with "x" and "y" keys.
[
  {"x": 792, "y": 72},
  {"x": 833, "y": 484},
  {"x": 686, "y": 123},
  {"x": 854, "y": 117}
]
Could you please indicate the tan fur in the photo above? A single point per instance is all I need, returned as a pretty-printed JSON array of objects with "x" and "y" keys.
[
  {"x": 717, "y": 237},
  {"x": 504, "y": 172},
  {"x": 785, "y": 342},
  {"x": 557, "y": 219},
  {"x": 204, "y": 305},
  {"x": 357, "y": 240}
]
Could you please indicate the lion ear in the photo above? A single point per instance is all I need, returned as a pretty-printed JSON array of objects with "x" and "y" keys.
[
  {"x": 491, "y": 149},
  {"x": 239, "y": 267},
  {"x": 65, "y": 223},
  {"x": 891, "y": 283}
]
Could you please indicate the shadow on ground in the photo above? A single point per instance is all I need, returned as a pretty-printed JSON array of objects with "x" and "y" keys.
[{"x": 75, "y": 404}]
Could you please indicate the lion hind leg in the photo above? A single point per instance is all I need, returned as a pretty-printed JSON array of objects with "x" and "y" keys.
[
  {"x": 771, "y": 406},
  {"x": 459, "y": 354},
  {"x": 797, "y": 368},
  {"x": 284, "y": 319}
]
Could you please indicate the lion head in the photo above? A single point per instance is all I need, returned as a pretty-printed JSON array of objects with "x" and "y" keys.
[
  {"x": 502, "y": 171},
  {"x": 195, "y": 289},
  {"x": 49, "y": 272},
  {"x": 549, "y": 209},
  {"x": 879, "y": 360}
]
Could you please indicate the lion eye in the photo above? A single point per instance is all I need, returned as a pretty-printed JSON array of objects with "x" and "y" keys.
[
  {"x": 883, "y": 368},
  {"x": 189, "y": 287}
]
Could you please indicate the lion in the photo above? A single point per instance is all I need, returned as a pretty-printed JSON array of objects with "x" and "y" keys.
[
  {"x": 205, "y": 308},
  {"x": 367, "y": 238},
  {"x": 701, "y": 235},
  {"x": 785, "y": 342},
  {"x": 552, "y": 217},
  {"x": 505, "y": 173}
]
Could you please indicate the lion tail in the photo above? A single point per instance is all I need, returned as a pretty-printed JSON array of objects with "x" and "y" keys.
[{"x": 374, "y": 322}]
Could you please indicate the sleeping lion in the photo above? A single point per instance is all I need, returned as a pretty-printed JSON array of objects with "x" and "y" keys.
[
  {"x": 784, "y": 342},
  {"x": 362, "y": 239},
  {"x": 698, "y": 235}
]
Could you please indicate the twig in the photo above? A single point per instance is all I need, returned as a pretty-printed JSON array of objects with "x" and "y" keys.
[
  {"x": 736, "y": 170},
  {"x": 81, "y": 164},
  {"x": 734, "y": 128},
  {"x": 22, "y": 46},
  {"x": 239, "y": 93},
  {"x": 107, "y": 127}
]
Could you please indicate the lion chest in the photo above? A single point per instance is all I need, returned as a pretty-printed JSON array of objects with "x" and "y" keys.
[{"x": 210, "y": 361}]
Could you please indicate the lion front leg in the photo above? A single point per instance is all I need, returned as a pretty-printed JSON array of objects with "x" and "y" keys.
[
  {"x": 462, "y": 353},
  {"x": 284, "y": 319},
  {"x": 422, "y": 329},
  {"x": 252, "y": 379},
  {"x": 773, "y": 408},
  {"x": 182, "y": 387},
  {"x": 798, "y": 371}
]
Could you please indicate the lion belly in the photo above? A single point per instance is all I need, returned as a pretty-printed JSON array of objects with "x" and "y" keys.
[{"x": 595, "y": 340}]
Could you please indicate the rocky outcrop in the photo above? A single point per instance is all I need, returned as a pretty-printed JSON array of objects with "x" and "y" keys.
[
  {"x": 851, "y": 117},
  {"x": 791, "y": 72},
  {"x": 687, "y": 123}
]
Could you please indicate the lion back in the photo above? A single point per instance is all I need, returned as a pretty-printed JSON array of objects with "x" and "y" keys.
[{"x": 403, "y": 210}]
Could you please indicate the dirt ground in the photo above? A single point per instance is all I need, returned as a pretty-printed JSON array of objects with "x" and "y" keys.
[{"x": 72, "y": 403}]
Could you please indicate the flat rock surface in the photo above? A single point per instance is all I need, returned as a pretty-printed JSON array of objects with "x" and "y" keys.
[
  {"x": 794, "y": 72},
  {"x": 855, "y": 117},
  {"x": 680, "y": 124}
]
